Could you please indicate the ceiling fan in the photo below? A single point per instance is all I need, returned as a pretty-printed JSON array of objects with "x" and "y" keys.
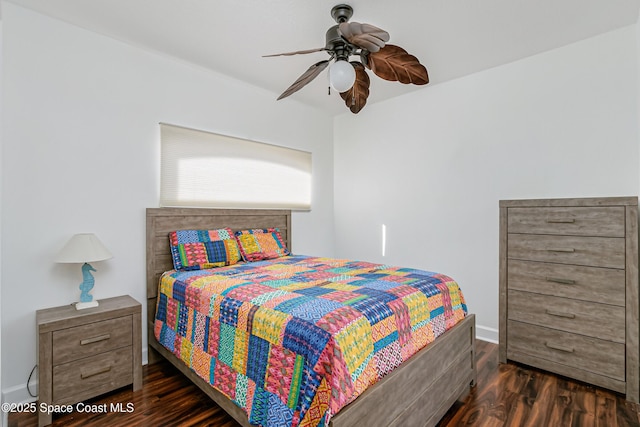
[{"x": 350, "y": 78}]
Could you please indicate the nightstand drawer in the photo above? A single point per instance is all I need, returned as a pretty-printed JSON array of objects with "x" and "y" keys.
[
  {"x": 91, "y": 376},
  {"x": 602, "y": 321},
  {"x": 605, "y": 221},
  {"x": 87, "y": 340},
  {"x": 603, "y": 285},
  {"x": 572, "y": 350},
  {"x": 590, "y": 251}
]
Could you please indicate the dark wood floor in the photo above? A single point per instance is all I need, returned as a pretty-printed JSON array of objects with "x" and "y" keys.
[{"x": 506, "y": 395}]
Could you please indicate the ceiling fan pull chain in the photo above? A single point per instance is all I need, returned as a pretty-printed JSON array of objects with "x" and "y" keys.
[{"x": 329, "y": 90}]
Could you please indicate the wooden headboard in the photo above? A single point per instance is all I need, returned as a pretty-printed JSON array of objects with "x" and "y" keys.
[{"x": 161, "y": 221}]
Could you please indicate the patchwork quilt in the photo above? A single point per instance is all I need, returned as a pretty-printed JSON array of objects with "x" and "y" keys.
[{"x": 292, "y": 340}]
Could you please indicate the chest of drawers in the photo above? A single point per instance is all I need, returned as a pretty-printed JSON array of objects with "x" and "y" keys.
[
  {"x": 85, "y": 353},
  {"x": 569, "y": 289}
]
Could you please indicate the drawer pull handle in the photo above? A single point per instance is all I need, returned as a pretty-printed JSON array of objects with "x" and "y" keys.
[
  {"x": 561, "y": 221},
  {"x": 559, "y": 347},
  {"x": 560, "y": 314},
  {"x": 563, "y": 281},
  {"x": 84, "y": 376},
  {"x": 95, "y": 339},
  {"x": 561, "y": 250}
]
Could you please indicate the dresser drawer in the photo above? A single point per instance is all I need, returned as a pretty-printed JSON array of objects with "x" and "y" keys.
[
  {"x": 572, "y": 221},
  {"x": 604, "y": 285},
  {"x": 85, "y": 378},
  {"x": 590, "y": 251},
  {"x": 601, "y": 321},
  {"x": 594, "y": 355},
  {"x": 81, "y": 341}
]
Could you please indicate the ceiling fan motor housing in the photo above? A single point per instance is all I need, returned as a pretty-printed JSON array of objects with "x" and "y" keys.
[
  {"x": 341, "y": 13},
  {"x": 337, "y": 44}
]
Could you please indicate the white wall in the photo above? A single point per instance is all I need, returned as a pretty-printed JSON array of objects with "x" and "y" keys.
[
  {"x": 81, "y": 154},
  {"x": 432, "y": 165}
]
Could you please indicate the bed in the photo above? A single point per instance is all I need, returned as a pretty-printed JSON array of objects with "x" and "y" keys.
[{"x": 418, "y": 392}]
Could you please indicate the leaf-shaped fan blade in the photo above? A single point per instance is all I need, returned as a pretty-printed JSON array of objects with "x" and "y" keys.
[
  {"x": 356, "y": 97},
  {"x": 305, "y": 79},
  {"x": 395, "y": 64},
  {"x": 365, "y": 36},
  {"x": 298, "y": 52}
]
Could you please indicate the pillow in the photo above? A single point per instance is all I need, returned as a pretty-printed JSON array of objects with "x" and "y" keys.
[
  {"x": 199, "y": 249},
  {"x": 258, "y": 244}
]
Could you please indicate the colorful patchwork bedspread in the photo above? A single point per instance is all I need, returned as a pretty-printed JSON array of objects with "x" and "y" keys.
[{"x": 294, "y": 339}]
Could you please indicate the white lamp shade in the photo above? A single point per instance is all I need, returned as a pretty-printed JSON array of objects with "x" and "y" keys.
[
  {"x": 83, "y": 248},
  {"x": 342, "y": 75}
]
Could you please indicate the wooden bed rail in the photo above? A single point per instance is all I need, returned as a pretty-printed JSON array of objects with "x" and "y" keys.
[{"x": 418, "y": 392}]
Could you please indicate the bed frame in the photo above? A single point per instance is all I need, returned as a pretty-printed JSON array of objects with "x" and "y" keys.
[{"x": 417, "y": 393}]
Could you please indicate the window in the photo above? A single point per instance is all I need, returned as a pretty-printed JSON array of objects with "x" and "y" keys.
[{"x": 203, "y": 169}]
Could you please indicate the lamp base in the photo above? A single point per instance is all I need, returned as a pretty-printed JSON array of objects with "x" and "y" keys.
[{"x": 83, "y": 305}]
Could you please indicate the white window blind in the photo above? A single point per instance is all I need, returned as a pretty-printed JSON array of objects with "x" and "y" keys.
[{"x": 203, "y": 169}]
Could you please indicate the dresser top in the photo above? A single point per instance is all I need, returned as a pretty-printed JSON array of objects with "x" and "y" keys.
[{"x": 587, "y": 201}]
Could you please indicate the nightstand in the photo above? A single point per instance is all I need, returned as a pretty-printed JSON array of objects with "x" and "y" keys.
[{"x": 85, "y": 353}]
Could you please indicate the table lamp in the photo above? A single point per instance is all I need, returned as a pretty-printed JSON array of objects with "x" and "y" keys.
[{"x": 84, "y": 248}]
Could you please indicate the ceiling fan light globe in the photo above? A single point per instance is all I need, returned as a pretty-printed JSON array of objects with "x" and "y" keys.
[{"x": 342, "y": 76}]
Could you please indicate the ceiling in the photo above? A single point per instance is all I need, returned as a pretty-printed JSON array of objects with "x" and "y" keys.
[{"x": 452, "y": 38}]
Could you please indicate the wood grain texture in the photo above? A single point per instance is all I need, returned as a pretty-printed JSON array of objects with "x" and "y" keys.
[
  {"x": 388, "y": 393},
  {"x": 568, "y": 371},
  {"x": 580, "y": 317},
  {"x": 606, "y": 252},
  {"x": 136, "y": 333},
  {"x": 633, "y": 305},
  {"x": 91, "y": 376},
  {"x": 506, "y": 395},
  {"x": 586, "y": 201},
  {"x": 67, "y": 316},
  {"x": 420, "y": 387},
  {"x": 86, "y": 340},
  {"x": 221, "y": 400},
  {"x": 516, "y": 395},
  {"x": 425, "y": 406},
  {"x": 161, "y": 221},
  {"x": 578, "y": 259},
  {"x": 45, "y": 359},
  {"x": 84, "y": 353},
  {"x": 380, "y": 404},
  {"x": 568, "y": 220},
  {"x": 503, "y": 303},
  {"x": 604, "y": 285},
  {"x": 572, "y": 350}
]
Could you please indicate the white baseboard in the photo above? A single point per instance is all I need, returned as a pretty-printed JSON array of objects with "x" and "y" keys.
[
  {"x": 485, "y": 333},
  {"x": 19, "y": 393}
]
